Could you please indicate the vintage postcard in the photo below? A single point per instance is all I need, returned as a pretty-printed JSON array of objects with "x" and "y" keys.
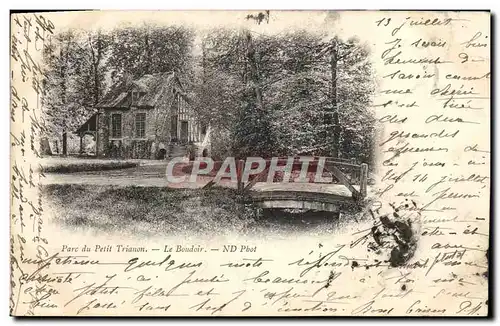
[{"x": 250, "y": 163}]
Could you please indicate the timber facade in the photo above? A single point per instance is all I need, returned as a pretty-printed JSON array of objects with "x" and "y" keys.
[{"x": 148, "y": 118}]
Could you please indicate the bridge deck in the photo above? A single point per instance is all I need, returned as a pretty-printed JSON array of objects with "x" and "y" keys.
[
  {"x": 323, "y": 197},
  {"x": 320, "y": 188}
]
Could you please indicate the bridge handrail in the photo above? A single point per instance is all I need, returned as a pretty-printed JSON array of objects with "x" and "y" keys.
[{"x": 330, "y": 165}]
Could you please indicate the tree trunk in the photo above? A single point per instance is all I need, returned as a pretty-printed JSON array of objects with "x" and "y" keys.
[
  {"x": 332, "y": 116},
  {"x": 63, "y": 100},
  {"x": 203, "y": 63},
  {"x": 64, "y": 143},
  {"x": 97, "y": 137},
  {"x": 254, "y": 76},
  {"x": 96, "y": 84},
  {"x": 147, "y": 46}
]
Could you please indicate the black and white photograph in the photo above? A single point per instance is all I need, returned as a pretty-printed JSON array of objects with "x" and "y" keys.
[
  {"x": 249, "y": 163},
  {"x": 119, "y": 105}
]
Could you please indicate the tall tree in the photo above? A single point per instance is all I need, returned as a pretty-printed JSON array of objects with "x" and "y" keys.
[
  {"x": 75, "y": 73},
  {"x": 61, "y": 62},
  {"x": 218, "y": 93},
  {"x": 230, "y": 94},
  {"x": 253, "y": 134},
  {"x": 356, "y": 85},
  {"x": 315, "y": 91},
  {"x": 151, "y": 49},
  {"x": 332, "y": 114}
]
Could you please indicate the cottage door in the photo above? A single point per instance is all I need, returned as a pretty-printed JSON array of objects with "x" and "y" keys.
[{"x": 184, "y": 132}]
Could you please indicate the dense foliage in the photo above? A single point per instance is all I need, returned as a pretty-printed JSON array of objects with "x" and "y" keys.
[
  {"x": 287, "y": 94},
  {"x": 271, "y": 94}
]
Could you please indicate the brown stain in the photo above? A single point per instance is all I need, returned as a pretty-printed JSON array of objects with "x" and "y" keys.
[
  {"x": 330, "y": 279},
  {"x": 392, "y": 227},
  {"x": 487, "y": 254}
]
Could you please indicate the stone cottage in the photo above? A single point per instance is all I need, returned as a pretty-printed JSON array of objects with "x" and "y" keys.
[{"x": 146, "y": 118}]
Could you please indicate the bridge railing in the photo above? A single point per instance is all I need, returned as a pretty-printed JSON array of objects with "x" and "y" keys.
[{"x": 343, "y": 171}]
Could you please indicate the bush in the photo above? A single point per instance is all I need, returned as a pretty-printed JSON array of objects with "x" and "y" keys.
[{"x": 71, "y": 167}]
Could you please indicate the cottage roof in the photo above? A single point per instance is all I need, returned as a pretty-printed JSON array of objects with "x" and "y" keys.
[
  {"x": 89, "y": 125},
  {"x": 153, "y": 88}
]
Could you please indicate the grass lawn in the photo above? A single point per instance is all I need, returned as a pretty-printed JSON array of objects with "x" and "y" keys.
[
  {"x": 158, "y": 211},
  {"x": 147, "y": 210}
]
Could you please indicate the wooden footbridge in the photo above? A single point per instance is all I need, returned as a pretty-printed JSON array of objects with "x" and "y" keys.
[{"x": 340, "y": 182}]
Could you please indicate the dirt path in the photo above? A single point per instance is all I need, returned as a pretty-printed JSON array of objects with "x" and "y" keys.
[{"x": 152, "y": 174}]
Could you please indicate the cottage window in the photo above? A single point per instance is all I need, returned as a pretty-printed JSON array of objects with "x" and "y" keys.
[
  {"x": 135, "y": 97},
  {"x": 116, "y": 125},
  {"x": 140, "y": 125},
  {"x": 180, "y": 103}
]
